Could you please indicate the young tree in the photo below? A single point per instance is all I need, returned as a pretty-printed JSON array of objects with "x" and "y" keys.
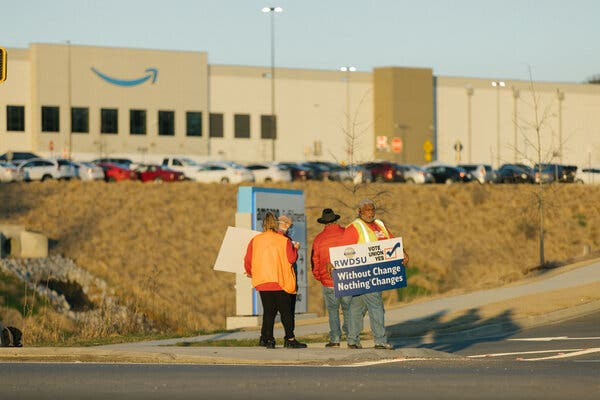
[{"x": 536, "y": 133}]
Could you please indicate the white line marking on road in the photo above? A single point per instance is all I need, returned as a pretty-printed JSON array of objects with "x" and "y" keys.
[
  {"x": 549, "y": 339},
  {"x": 574, "y": 354},
  {"x": 522, "y": 352},
  {"x": 369, "y": 363}
]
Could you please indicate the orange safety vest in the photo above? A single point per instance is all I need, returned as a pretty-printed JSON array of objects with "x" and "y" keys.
[{"x": 270, "y": 262}]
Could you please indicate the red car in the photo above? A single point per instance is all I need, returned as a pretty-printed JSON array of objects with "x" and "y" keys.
[
  {"x": 117, "y": 172},
  {"x": 155, "y": 173},
  {"x": 385, "y": 171}
]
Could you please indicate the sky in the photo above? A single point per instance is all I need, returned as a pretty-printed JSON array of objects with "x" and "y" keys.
[{"x": 549, "y": 40}]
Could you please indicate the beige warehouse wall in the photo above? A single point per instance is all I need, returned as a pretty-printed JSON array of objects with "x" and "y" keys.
[
  {"x": 310, "y": 105},
  {"x": 580, "y": 124},
  {"x": 15, "y": 91},
  {"x": 180, "y": 86}
]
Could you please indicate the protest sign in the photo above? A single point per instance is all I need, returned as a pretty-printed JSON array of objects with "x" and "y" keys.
[{"x": 368, "y": 267}]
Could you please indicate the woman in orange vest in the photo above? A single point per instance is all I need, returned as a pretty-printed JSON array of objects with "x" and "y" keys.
[{"x": 268, "y": 262}]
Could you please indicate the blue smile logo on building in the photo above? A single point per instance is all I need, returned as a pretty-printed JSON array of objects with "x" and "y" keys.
[{"x": 150, "y": 73}]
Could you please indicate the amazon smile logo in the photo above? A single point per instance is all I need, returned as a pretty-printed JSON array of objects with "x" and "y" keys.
[{"x": 150, "y": 73}]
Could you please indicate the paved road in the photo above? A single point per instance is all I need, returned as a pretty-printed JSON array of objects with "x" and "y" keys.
[
  {"x": 533, "y": 364},
  {"x": 557, "y": 357}
]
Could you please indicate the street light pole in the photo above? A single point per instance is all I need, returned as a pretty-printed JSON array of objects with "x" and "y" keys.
[
  {"x": 349, "y": 135},
  {"x": 70, "y": 108},
  {"x": 516, "y": 94},
  {"x": 498, "y": 85},
  {"x": 469, "y": 123},
  {"x": 561, "y": 96},
  {"x": 272, "y": 11}
]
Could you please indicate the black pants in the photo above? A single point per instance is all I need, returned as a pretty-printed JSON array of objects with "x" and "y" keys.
[{"x": 273, "y": 302}]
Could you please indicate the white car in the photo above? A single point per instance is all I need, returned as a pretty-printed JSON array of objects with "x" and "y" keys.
[
  {"x": 588, "y": 176},
  {"x": 477, "y": 171},
  {"x": 9, "y": 172},
  {"x": 267, "y": 172},
  {"x": 41, "y": 169},
  {"x": 222, "y": 172},
  {"x": 87, "y": 171}
]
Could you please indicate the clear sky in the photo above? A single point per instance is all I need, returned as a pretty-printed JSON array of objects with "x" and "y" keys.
[{"x": 497, "y": 39}]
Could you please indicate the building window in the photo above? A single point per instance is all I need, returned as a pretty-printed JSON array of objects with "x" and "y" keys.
[
  {"x": 268, "y": 127},
  {"x": 137, "y": 122},
  {"x": 80, "y": 118},
  {"x": 15, "y": 118},
  {"x": 193, "y": 123},
  {"x": 241, "y": 125},
  {"x": 166, "y": 123},
  {"x": 50, "y": 119},
  {"x": 109, "y": 120},
  {"x": 215, "y": 125}
]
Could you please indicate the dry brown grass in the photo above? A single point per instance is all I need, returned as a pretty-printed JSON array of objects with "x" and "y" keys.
[{"x": 155, "y": 244}]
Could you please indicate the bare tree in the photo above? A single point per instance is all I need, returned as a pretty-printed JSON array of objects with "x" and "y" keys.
[{"x": 539, "y": 126}]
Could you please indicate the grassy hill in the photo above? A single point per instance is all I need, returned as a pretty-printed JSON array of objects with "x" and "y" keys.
[{"x": 155, "y": 244}]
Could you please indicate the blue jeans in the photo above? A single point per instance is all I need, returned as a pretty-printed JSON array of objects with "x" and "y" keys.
[
  {"x": 333, "y": 304},
  {"x": 359, "y": 305}
]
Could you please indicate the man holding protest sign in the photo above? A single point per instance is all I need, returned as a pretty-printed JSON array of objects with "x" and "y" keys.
[
  {"x": 329, "y": 237},
  {"x": 367, "y": 229}
]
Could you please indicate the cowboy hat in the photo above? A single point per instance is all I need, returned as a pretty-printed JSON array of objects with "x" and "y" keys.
[{"x": 328, "y": 216}]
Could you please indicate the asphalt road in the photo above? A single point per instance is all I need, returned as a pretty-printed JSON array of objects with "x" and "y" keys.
[{"x": 556, "y": 361}]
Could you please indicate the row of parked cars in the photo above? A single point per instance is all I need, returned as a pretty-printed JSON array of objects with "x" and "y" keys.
[{"x": 28, "y": 166}]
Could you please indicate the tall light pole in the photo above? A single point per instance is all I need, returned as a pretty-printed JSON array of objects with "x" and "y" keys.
[
  {"x": 498, "y": 85},
  {"x": 469, "y": 123},
  {"x": 516, "y": 93},
  {"x": 70, "y": 108},
  {"x": 272, "y": 11},
  {"x": 349, "y": 134},
  {"x": 560, "y": 96}
]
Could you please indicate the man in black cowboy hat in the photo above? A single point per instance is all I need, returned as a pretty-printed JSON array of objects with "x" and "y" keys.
[{"x": 321, "y": 269}]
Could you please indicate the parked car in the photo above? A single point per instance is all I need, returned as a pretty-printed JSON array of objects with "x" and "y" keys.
[
  {"x": 449, "y": 174},
  {"x": 222, "y": 172},
  {"x": 181, "y": 164},
  {"x": 299, "y": 172},
  {"x": 113, "y": 160},
  {"x": 416, "y": 174},
  {"x": 491, "y": 176},
  {"x": 319, "y": 170},
  {"x": 515, "y": 173},
  {"x": 555, "y": 173},
  {"x": 155, "y": 173},
  {"x": 117, "y": 172},
  {"x": 351, "y": 173},
  {"x": 385, "y": 171},
  {"x": 478, "y": 172},
  {"x": 590, "y": 176},
  {"x": 41, "y": 169},
  {"x": 87, "y": 171},
  {"x": 268, "y": 172},
  {"x": 9, "y": 172},
  {"x": 17, "y": 157}
]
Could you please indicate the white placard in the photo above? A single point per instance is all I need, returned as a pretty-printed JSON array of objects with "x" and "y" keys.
[{"x": 233, "y": 249}]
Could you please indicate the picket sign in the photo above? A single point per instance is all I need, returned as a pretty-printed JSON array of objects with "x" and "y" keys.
[{"x": 368, "y": 267}]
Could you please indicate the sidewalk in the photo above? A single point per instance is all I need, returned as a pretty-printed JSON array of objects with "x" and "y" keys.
[{"x": 556, "y": 295}]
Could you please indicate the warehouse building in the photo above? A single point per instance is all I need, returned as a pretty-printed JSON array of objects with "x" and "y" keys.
[{"x": 88, "y": 102}]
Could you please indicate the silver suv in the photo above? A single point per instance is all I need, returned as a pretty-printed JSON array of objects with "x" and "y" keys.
[{"x": 41, "y": 169}]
